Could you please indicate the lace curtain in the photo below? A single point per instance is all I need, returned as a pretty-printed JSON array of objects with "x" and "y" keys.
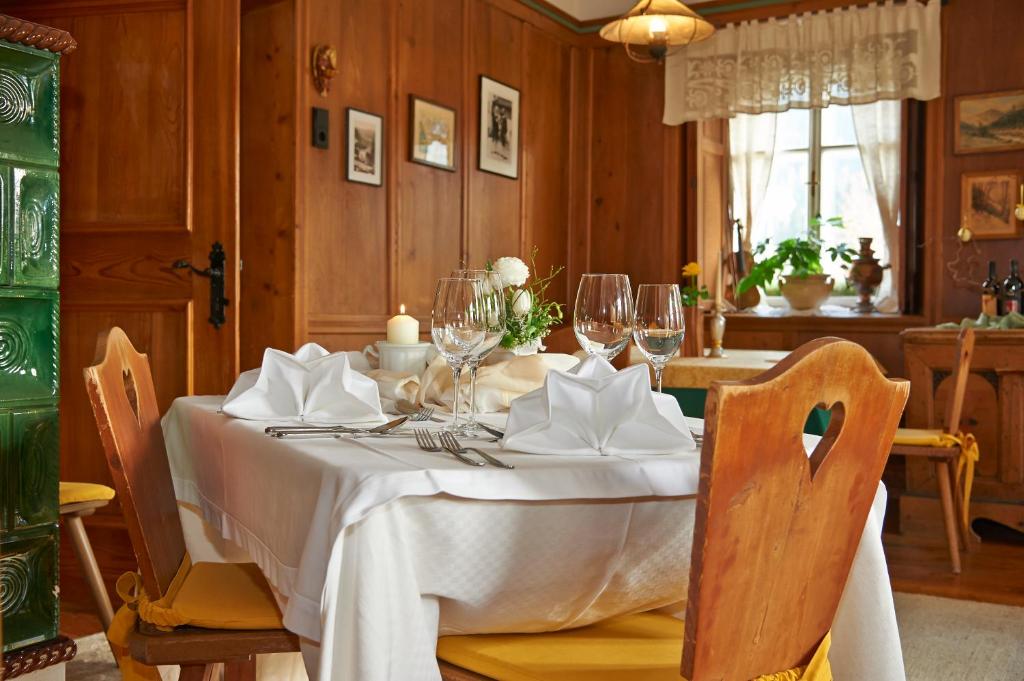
[
  {"x": 854, "y": 55},
  {"x": 751, "y": 151}
]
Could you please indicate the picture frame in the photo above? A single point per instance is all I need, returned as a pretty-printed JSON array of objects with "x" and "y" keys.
[
  {"x": 988, "y": 122},
  {"x": 364, "y": 148},
  {"x": 499, "y": 128},
  {"x": 987, "y": 201},
  {"x": 432, "y": 134}
]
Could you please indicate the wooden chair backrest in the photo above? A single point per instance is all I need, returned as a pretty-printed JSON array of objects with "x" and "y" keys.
[
  {"x": 776, "y": 531},
  {"x": 124, "y": 403},
  {"x": 961, "y": 372}
]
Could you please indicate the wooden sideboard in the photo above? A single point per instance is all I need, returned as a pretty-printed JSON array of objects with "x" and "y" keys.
[{"x": 993, "y": 411}]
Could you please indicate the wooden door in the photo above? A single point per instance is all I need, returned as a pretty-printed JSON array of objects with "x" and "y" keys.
[{"x": 149, "y": 163}]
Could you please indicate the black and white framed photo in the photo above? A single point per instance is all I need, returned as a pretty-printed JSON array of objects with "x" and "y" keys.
[
  {"x": 499, "y": 128},
  {"x": 365, "y": 134}
]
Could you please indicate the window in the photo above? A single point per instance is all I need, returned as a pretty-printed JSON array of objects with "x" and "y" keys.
[{"x": 817, "y": 171}]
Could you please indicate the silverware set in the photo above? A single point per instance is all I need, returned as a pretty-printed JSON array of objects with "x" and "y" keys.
[
  {"x": 425, "y": 440},
  {"x": 284, "y": 431}
]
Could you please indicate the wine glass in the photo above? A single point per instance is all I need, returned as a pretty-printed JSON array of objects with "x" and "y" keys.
[
  {"x": 658, "y": 327},
  {"x": 603, "y": 320},
  {"x": 493, "y": 302},
  {"x": 457, "y": 327}
]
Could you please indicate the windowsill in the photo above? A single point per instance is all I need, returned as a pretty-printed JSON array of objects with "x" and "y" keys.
[{"x": 829, "y": 314}]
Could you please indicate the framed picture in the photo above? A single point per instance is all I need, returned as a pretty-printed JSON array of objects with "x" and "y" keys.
[
  {"x": 431, "y": 134},
  {"x": 499, "y": 128},
  {"x": 365, "y": 135},
  {"x": 990, "y": 122},
  {"x": 987, "y": 201}
]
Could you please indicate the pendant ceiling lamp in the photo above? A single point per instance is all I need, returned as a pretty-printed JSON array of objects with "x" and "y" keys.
[{"x": 654, "y": 29}]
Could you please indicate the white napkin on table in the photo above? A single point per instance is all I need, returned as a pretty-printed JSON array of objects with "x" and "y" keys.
[
  {"x": 312, "y": 385},
  {"x": 594, "y": 409}
]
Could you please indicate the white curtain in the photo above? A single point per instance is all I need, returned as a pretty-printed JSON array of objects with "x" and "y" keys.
[
  {"x": 878, "y": 128},
  {"x": 751, "y": 150},
  {"x": 854, "y": 55}
]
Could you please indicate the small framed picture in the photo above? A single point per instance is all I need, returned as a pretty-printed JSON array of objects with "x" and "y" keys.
[
  {"x": 987, "y": 201},
  {"x": 365, "y": 135},
  {"x": 432, "y": 134},
  {"x": 989, "y": 122},
  {"x": 499, "y": 128}
]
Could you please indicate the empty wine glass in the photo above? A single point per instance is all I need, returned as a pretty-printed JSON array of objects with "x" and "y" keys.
[
  {"x": 493, "y": 302},
  {"x": 457, "y": 326},
  {"x": 603, "y": 319},
  {"x": 658, "y": 327}
]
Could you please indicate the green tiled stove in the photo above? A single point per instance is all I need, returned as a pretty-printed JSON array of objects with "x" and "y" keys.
[{"x": 29, "y": 329}]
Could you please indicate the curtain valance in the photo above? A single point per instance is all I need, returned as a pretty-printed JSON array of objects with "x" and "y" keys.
[{"x": 854, "y": 55}]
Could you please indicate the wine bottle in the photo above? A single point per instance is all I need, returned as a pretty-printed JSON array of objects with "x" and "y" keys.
[
  {"x": 1013, "y": 290},
  {"x": 990, "y": 289}
]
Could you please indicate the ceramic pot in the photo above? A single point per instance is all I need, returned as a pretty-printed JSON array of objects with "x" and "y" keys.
[{"x": 806, "y": 293}]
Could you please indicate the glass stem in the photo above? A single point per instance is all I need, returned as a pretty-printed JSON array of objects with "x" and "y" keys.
[
  {"x": 658, "y": 369},
  {"x": 472, "y": 392},
  {"x": 457, "y": 382}
]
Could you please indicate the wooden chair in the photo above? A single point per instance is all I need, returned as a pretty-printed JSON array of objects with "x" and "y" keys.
[
  {"x": 945, "y": 448},
  {"x": 77, "y": 500},
  {"x": 775, "y": 535},
  {"x": 124, "y": 403}
]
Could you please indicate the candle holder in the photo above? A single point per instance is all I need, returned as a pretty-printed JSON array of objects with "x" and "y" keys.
[
  {"x": 405, "y": 358},
  {"x": 717, "y": 328}
]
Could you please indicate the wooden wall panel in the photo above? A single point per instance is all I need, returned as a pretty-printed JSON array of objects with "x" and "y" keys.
[
  {"x": 546, "y": 135},
  {"x": 493, "y": 201},
  {"x": 430, "y": 54}
]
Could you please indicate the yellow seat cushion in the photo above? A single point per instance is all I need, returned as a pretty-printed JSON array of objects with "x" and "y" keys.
[
  {"x": 227, "y": 596},
  {"x": 81, "y": 492},
  {"x": 643, "y": 647},
  {"x": 923, "y": 437}
]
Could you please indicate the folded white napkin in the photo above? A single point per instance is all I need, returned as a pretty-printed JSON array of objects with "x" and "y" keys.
[
  {"x": 594, "y": 409},
  {"x": 497, "y": 385},
  {"x": 312, "y": 385}
]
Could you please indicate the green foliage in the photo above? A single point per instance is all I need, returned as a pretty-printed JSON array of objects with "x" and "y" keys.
[
  {"x": 801, "y": 257},
  {"x": 542, "y": 315}
]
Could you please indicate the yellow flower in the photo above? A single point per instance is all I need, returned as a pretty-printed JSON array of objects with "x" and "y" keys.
[{"x": 692, "y": 269}]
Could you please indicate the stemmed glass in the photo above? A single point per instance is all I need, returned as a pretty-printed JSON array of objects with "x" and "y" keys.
[
  {"x": 458, "y": 327},
  {"x": 493, "y": 303},
  {"x": 603, "y": 320},
  {"x": 658, "y": 328}
]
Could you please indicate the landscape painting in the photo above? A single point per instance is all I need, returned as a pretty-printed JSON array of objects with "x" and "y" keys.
[
  {"x": 987, "y": 201},
  {"x": 990, "y": 122}
]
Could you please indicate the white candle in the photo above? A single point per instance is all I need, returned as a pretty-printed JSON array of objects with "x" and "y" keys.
[{"x": 403, "y": 329}]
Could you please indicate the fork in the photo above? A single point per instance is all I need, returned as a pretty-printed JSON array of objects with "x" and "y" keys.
[
  {"x": 423, "y": 414},
  {"x": 426, "y": 442},
  {"x": 449, "y": 442}
]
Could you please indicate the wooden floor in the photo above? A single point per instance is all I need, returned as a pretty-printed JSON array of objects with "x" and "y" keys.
[{"x": 993, "y": 573}]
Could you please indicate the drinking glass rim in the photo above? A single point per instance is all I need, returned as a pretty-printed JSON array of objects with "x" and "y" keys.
[{"x": 606, "y": 274}]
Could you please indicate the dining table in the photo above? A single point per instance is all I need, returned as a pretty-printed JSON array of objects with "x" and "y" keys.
[{"x": 374, "y": 547}]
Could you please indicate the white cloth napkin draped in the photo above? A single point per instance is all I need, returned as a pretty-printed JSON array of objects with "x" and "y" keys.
[
  {"x": 497, "y": 385},
  {"x": 312, "y": 385},
  {"x": 595, "y": 410}
]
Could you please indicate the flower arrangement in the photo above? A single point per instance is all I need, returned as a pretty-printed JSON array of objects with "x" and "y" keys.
[
  {"x": 690, "y": 292},
  {"x": 528, "y": 316}
]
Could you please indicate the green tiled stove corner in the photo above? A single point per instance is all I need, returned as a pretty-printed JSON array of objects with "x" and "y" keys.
[{"x": 29, "y": 343}]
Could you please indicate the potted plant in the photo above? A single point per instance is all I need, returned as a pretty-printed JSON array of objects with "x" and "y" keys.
[
  {"x": 804, "y": 285},
  {"x": 529, "y": 316},
  {"x": 691, "y": 293}
]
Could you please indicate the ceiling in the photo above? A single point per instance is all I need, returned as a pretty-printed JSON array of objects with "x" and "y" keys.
[{"x": 586, "y": 10}]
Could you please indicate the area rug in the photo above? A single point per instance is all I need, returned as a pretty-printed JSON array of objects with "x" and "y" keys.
[{"x": 942, "y": 639}]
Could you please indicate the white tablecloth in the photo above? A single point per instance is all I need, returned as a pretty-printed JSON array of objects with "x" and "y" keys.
[{"x": 376, "y": 547}]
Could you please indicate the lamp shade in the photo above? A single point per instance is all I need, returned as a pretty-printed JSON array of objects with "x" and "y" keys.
[{"x": 658, "y": 22}]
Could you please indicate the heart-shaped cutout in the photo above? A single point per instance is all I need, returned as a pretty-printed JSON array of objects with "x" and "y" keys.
[
  {"x": 836, "y": 419},
  {"x": 131, "y": 393}
]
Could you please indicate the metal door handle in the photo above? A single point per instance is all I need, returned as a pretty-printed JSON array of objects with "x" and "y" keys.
[{"x": 215, "y": 273}]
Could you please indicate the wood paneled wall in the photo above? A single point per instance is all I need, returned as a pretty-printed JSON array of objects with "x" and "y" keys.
[{"x": 599, "y": 184}]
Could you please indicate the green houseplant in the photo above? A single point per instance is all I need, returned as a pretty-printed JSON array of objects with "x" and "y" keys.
[{"x": 796, "y": 263}]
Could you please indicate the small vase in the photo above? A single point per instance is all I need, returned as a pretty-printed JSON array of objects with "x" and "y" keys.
[
  {"x": 717, "y": 333},
  {"x": 693, "y": 338}
]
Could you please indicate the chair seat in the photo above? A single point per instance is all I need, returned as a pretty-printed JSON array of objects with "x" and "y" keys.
[
  {"x": 923, "y": 437},
  {"x": 643, "y": 647},
  {"x": 83, "y": 492},
  {"x": 227, "y": 596},
  {"x": 193, "y": 645}
]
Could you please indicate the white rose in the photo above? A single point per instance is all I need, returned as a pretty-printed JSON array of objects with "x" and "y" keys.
[
  {"x": 513, "y": 271},
  {"x": 522, "y": 301}
]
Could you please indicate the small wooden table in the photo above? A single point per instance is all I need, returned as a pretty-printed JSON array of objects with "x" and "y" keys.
[{"x": 688, "y": 378}]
